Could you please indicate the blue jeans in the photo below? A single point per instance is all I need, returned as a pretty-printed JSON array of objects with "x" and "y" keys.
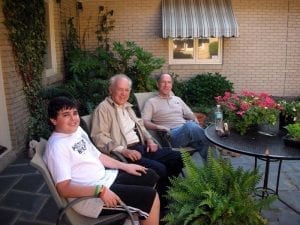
[{"x": 190, "y": 135}]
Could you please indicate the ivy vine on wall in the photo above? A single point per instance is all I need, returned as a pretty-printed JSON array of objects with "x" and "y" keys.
[{"x": 25, "y": 21}]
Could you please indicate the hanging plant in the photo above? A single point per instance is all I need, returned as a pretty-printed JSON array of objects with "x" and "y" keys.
[{"x": 25, "y": 21}]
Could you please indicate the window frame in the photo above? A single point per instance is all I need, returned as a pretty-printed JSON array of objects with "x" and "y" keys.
[
  {"x": 195, "y": 60},
  {"x": 51, "y": 50}
]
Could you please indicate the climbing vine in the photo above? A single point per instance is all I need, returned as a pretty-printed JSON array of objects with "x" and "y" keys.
[
  {"x": 104, "y": 26},
  {"x": 25, "y": 21}
]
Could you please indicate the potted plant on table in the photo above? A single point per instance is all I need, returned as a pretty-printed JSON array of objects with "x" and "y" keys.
[
  {"x": 214, "y": 194},
  {"x": 290, "y": 112},
  {"x": 293, "y": 135},
  {"x": 249, "y": 110}
]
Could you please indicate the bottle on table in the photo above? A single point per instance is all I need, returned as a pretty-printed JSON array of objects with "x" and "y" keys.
[
  {"x": 219, "y": 119},
  {"x": 221, "y": 127}
]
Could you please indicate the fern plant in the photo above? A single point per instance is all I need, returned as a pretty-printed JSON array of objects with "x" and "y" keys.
[{"x": 215, "y": 194}]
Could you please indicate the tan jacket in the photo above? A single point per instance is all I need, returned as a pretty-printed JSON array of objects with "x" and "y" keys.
[{"x": 106, "y": 132}]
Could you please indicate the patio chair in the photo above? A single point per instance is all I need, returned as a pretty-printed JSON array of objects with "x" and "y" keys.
[
  {"x": 162, "y": 137},
  {"x": 86, "y": 124},
  {"x": 66, "y": 213}
]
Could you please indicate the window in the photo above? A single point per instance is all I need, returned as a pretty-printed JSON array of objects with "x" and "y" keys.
[
  {"x": 195, "y": 51},
  {"x": 50, "y": 56}
]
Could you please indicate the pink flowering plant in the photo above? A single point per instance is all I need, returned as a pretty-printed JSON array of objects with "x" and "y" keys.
[{"x": 248, "y": 109}]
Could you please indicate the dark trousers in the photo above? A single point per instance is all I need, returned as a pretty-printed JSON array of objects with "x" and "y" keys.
[
  {"x": 165, "y": 162},
  {"x": 136, "y": 191}
]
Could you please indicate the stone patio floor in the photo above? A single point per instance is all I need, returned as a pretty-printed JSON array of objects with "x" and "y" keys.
[{"x": 25, "y": 199}]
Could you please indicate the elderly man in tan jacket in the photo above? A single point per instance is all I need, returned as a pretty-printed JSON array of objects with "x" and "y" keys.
[{"x": 116, "y": 127}]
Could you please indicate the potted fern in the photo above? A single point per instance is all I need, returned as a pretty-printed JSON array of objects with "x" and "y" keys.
[{"x": 214, "y": 194}]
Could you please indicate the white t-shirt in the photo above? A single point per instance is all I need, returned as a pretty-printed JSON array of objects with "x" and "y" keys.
[{"x": 74, "y": 157}]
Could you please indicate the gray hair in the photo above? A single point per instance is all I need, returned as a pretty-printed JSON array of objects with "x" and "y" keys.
[{"x": 116, "y": 77}]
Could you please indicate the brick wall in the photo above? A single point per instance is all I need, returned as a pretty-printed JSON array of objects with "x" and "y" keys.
[
  {"x": 13, "y": 86},
  {"x": 62, "y": 12},
  {"x": 266, "y": 56},
  {"x": 15, "y": 100}
]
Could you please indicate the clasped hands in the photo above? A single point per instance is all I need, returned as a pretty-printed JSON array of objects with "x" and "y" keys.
[{"x": 135, "y": 155}]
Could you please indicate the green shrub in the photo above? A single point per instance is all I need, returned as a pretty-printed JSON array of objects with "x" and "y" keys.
[
  {"x": 89, "y": 73},
  {"x": 178, "y": 86},
  {"x": 200, "y": 91},
  {"x": 138, "y": 64}
]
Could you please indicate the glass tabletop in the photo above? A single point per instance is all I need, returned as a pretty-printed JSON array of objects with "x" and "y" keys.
[{"x": 254, "y": 144}]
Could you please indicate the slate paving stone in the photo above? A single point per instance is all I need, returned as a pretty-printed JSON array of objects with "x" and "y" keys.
[
  {"x": 24, "y": 201},
  {"x": 289, "y": 218},
  {"x": 30, "y": 183},
  {"x": 289, "y": 166},
  {"x": 274, "y": 223},
  {"x": 49, "y": 212},
  {"x": 30, "y": 223},
  {"x": 295, "y": 177},
  {"x": 7, "y": 216},
  {"x": 22, "y": 159},
  {"x": 45, "y": 190},
  {"x": 18, "y": 169},
  {"x": 285, "y": 182},
  {"x": 27, "y": 216},
  {"x": 291, "y": 197},
  {"x": 6, "y": 183}
]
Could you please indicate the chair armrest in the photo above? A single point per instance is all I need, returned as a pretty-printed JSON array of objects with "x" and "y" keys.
[
  {"x": 119, "y": 156},
  {"x": 77, "y": 200},
  {"x": 164, "y": 137}
]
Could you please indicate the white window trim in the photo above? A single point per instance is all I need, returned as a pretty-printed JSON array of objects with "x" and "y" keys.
[
  {"x": 196, "y": 61},
  {"x": 53, "y": 70}
]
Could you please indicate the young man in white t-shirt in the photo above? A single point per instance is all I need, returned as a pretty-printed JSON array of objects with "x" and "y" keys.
[{"x": 79, "y": 169}]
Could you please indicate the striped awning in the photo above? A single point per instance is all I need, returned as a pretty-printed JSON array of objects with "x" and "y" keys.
[{"x": 198, "y": 18}]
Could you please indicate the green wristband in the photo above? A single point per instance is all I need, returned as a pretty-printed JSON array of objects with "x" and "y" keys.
[{"x": 97, "y": 190}]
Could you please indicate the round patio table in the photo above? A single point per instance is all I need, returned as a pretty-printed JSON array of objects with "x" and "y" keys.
[{"x": 260, "y": 146}]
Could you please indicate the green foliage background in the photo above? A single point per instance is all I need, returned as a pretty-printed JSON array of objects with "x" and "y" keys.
[{"x": 200, "y": 91}]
